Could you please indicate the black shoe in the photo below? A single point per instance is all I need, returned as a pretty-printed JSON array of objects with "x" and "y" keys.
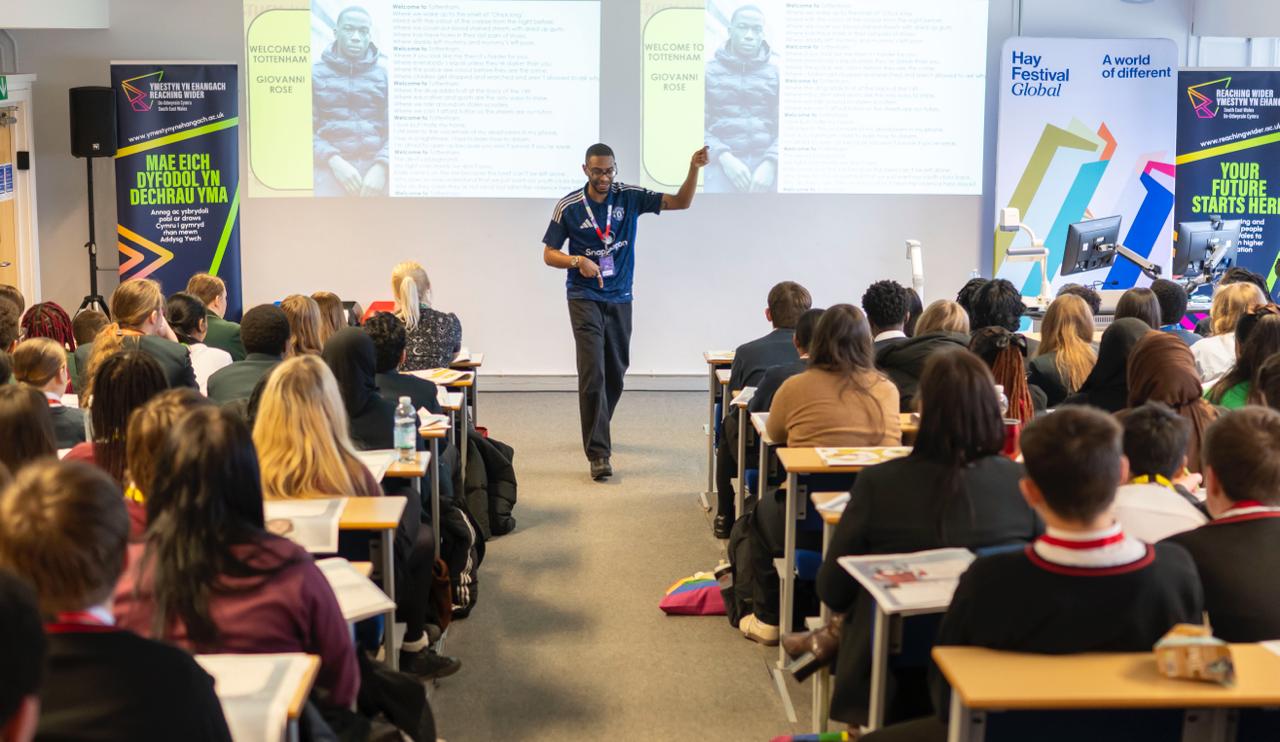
[
  {"x": 425, "y": 663},
  {"x": 600, "y": 469},
  {"x": 722, "y": 525}
]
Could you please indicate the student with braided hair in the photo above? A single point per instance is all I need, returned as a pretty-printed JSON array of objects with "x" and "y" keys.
[
  {"x": 42, "y": 363},
  {"x": 49, "y": 320},
  {"x": 125, "y": 381},
  {"x": 1003, "y": 352}
]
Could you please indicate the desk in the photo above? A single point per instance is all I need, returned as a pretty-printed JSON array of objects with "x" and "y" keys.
[
  {"x": 760, "y": 421},
  {"x": 715, "y": 360},
  {"x": 984, "y": 680},
  {"x": 433, "y": 436},
  {"x": 909, "y": 422},
  {"x": 822, "y": 680},
  {"x": 457, "y": 402},
  {"x": 471, "y": 363},
  {"x": 741, "y": 489},
  {"x": 300, "y": 694},
  {"x": 382, "y": 514}
]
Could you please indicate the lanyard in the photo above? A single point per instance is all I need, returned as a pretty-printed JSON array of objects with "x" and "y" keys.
[
  {"x": 606, "y": 236},
  {"x": 1159, "y": 479}
]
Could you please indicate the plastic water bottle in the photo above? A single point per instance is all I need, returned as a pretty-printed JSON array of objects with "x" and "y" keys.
[
  {"x": 406, "y": 431},
  {"x": 1004, "y": 400}
]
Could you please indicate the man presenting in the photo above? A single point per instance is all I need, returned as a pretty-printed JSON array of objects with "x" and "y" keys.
[{"x": 599, "y": 222}]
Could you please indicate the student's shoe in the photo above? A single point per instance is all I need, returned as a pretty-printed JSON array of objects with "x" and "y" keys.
[
  {"x": 758, "y": 631},
  {"x": 426, "y": 664},
  {"x": 722, "y": 525},
  {"x": 600, "y": 469}
]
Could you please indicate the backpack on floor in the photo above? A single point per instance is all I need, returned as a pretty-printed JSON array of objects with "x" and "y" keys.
[
  {"x": 737, "y": 593},
  {"x": 490, "y": 484}
]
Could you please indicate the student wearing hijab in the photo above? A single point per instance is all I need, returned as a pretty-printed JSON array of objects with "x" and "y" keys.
[
  {"x": 1161, "y": 369},
  {"x": 351, "y": 356},
  {"x": 1107, "y": 386}
]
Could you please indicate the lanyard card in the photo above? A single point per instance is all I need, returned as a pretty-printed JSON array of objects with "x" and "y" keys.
[{"x": 606, "y": 266}]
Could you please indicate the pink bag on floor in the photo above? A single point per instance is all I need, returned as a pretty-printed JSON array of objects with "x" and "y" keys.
[{"x": 698, "y": 595}]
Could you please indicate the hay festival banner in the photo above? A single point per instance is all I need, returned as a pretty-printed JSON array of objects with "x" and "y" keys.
[
  {"x": 1229, "y": 158},
  {"x": 178, "y": 173}
]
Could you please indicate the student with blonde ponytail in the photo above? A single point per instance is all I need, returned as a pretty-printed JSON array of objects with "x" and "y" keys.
[
  {"x": 41, "y": 362},
  {"x": 137, "y": 306},
  {"x": 1065, "y": 356},
  {"x": 433, "y": 336}
]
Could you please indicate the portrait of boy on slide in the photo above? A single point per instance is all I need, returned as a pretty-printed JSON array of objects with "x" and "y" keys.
[
  {"x": 742, "y": 106},
  {"x": 349, "y": 109}
]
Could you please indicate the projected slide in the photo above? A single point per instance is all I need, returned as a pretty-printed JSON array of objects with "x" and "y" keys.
[
  {"x": 491, "y": 98},
  {"x": 825, "y": 96}
]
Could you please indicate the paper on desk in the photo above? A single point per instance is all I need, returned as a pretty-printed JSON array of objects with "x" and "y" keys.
[
  {"x": 377, "y": 461},
  {"x": 358, "y": 598},
  {"x": 463, "y": 355},
  {"x": 62, "y": 452},
  {"x": 441, "y": 375},
  {"x": 428, "y": 420},
  {"x": 922, "y": 580},
  {"x": 865, "y": 456},
  {"x": 836, "y": 504},
  {"x": 255, "y": 691},
  {"x": 313, "y": 521},
  {"x": 723, "y": 356},
  {"x": 744, "y": 397},
  {"x": 1272, "y": 646}
]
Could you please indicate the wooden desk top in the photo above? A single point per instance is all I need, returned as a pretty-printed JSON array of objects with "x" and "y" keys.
[
  {"x": 759, "y": 421},
  {"x": 476, "y": 360},
  {"x": 722, "y": 376},
  {"x": 718, "y": 358},
  {"x": 807, "y": 461},
  {"x": 453, "y": 401},
  {"x": 404, "y": 470},
  {"x": 300, "y": 694},
  {"x": 908, "y": 422},
  {"x": 364, "y": 568},
  {"x": 987, "y": 679},
  {"x": 372, "y": 513},
  {"x": 820, "y": 497},
  {"x": 437, "y": 432}
]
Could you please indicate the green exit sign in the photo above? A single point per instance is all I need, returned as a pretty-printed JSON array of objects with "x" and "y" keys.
[{"x": 4, "y": 87}]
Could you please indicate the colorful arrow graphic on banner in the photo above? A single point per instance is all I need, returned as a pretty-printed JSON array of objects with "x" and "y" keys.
[{"x": 135, "y": 257}]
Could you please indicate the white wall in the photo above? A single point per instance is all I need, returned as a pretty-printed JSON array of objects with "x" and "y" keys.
[
  {"x": 54, "y": 14},
  {"x": 694, "y": 290}
]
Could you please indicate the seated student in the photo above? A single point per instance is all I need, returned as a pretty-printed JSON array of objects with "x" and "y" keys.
[
  {"x": 305, "y": 451},
  {"x": 304, "y": 325},
  {"x": 1066, "y": 355},
  {"x": 1085, "y": 585},
  {"x": 126, "y": 380},
  {"x": 13, "y": 294},
  {"x": 189, "y": 320},
  {"x": 49, "y": 320},
  {"x": 943, "y": 326},
  {"x": 1257, "y": 339},
  {"x": 149, "y": 427},
  {"x": 222, "y": 334},
  {"x": 774, "y": 376},
  {"x": 1241, "y": 545},
  {"x": 138, "y": 308},
  {"x": 389, "y": 339},
  {"x": 1155, "y": 504},
  {"x": 351, "y": 356},
  {"x": 1107, "y": 386},
  {"x": 265, "y": 333},
  {"x": 26, "y": 427},
  {"x": 10, "y": 325},
  {"x": 1215, "y": 354},
  {"x": 211, "y": 579},
  {"x": 1173, "y": 307},
  {"x": 885, "y": 304},
  {"x": 1236, "y": 274},
  {"x": 1091, "y": 297},
  {"x": 41, "y": 363},
  {"x": 87, "y": 324},
  {"x": 1161, "y": 370},
  {"x": 955, "y": 489},
  {"x": 434, "y": 336},
  {"x": 332, "y": 316},
  {"x": 786, "y": 302},
  {"x": 1003, "y": 352},
  {"x": 22, "y": 644},
  {"x": 964, "y": 297},
  {"x": 840, "y": 400},
  {"x": 915, "y": 307},
  {"x": 63, "y": 527},
  {"x": 1266, "y": 385},
  {"x": 1140, "y": 303}
]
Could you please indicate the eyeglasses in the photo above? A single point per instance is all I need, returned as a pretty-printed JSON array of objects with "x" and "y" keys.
[{"x": 598, "y": 173}]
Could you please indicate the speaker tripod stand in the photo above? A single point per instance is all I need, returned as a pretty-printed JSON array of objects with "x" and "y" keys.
[{"x": 93, "y": 300}]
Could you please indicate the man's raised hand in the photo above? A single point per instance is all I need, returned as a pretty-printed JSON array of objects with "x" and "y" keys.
[{"x": 701, "y": 157}]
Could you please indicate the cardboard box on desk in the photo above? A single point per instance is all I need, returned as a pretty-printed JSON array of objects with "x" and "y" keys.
[{"x": 1191, "y": 652}]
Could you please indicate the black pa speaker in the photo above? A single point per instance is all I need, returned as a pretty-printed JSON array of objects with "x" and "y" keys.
[{"x": 93, "y": 122}]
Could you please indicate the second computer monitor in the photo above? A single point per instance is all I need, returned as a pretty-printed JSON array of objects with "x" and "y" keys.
[
  {"x": 1091, "y": 245},
  {"x": 1197, "y": 241}
]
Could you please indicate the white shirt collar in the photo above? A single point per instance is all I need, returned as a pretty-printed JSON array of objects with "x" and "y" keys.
[
  {"x": 1108, "y": 547},
  {"x": 53, "y": 397},
  {"x": 103, "y": 614},
  {"x": 889, "y": 335},
  {"x": 1247, "y": 510}
]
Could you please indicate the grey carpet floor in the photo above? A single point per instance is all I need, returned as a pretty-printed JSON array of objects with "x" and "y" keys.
[{"x": 566, "y": 641}]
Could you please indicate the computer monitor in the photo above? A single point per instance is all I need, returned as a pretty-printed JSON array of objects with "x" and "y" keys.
[
  {"x": 1198, "y": 240},
  {"x": 1090, "y": 245}
]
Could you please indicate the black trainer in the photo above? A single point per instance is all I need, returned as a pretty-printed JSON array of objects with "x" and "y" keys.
[
  {"x": 600, "y": 469},
  {"x": 425, "y": 663}
]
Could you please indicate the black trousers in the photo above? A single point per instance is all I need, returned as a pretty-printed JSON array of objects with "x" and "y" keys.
[{"x": 602, "y": 337}]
